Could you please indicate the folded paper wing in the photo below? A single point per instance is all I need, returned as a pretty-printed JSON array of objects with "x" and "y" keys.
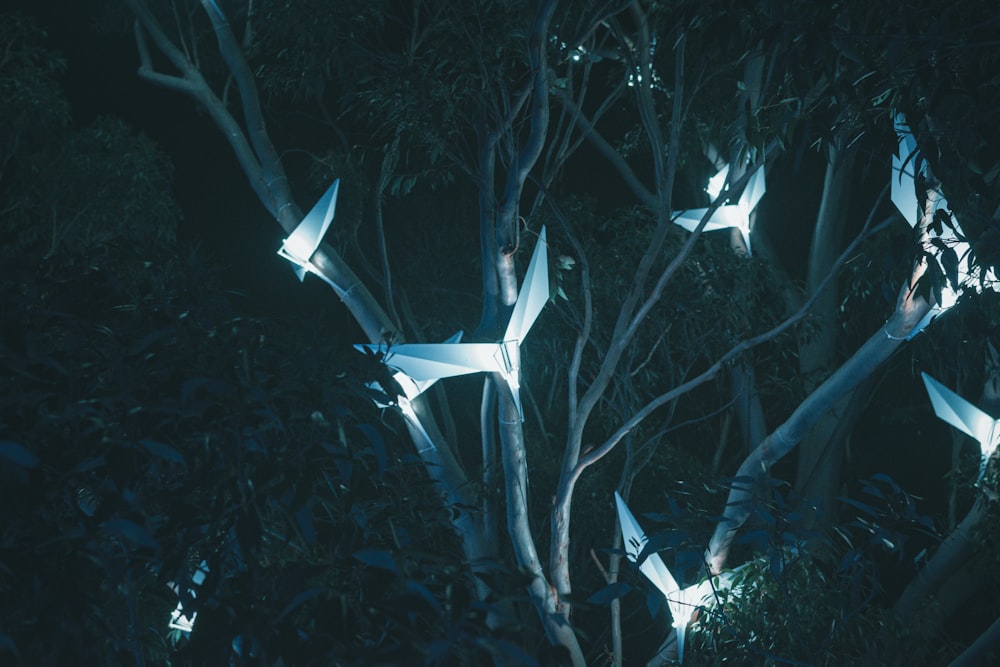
[
  {"x": 411, "y": 389},
  {"x": 681, "y": 602},
  {"x": 903, "y": 190},
  {"x": 966, "y": 417},
  {"x": 302, "y": 243},
  {"x": 728, "y": 215},
  {"x": 428, "y": 362},
  {"x": 534, "y": 293},
  {"x": 634, "y": 540}
]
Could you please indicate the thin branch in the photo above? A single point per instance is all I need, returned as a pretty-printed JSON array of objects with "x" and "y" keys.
[
  {"x": 275, "y": 180},
  {"x": 586, "y": 126}
]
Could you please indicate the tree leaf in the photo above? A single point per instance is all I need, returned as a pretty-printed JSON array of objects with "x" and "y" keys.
[
  {"x": 163, "y": 451},
  {"x": 610, "y": 593},
  {"x": 949, "y": 262},
  {"x": 130, "y": 531},
  {"x": 377, "y": 558},
  {"x": 299, "y": 600},
  {"x": 374, "y": 437},
  {"x": 18, "y": 454}
]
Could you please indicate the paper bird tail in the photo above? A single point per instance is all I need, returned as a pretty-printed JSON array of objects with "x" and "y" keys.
[{"x": 680, "y": 631}]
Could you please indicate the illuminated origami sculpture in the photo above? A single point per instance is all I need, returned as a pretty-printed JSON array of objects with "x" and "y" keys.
[
  {"x": 966, "y": 417},
  {"x": 727, "y": 215},
  {"x": 681, "y": 602},
  {"x": 301, "y": 244},
  {"x": 428, "y": 362},
  {"x": 178, "y": 620}
]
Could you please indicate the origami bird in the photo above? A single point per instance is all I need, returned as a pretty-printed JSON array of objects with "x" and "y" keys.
[
  {"x": 178, "y": 620},
  {"x": 302, "y": 243},
  {"x": 681, "y": 602},
  {"x": 428, "y": 362},
  {"x": 727, "y": 215},
  {"x": 966, "y": 417}
]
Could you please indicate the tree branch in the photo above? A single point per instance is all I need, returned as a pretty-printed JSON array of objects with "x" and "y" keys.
[
  {"x": 586, "y": 126},
  {"x": 910, "y": 310}
]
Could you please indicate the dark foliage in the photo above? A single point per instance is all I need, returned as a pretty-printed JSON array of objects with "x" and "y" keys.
[{"x": 146, "y": 426}]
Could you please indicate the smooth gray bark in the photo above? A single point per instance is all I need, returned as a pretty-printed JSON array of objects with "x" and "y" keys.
[
  {"x": 822, "y": 451},
  {"x": 910, "y": 310}
]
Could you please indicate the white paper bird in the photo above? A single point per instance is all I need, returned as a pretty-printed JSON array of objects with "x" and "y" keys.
[
  {"x": 425, "y": 362},
  {"x": 966, "y": 417},
  {"x": 302, "y": 243},
  {"x": 681, "y": 602},
  {"x": 178, "y": 620},
  {"x": 728, "y": 215}
]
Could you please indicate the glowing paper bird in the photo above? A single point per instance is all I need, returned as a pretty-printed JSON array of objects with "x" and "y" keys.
[
  {"x": 301, "y": 244},
  {"x": 423, "y": 362},
  {"x": 966, "y": 417},
  {"x": 178, "y": 620},
  {"x": 728, "y": 215},
  {"x": 682, "y": 602}
]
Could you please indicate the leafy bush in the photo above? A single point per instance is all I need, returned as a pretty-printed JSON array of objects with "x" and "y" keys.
[{"x": 146, "y": 425}]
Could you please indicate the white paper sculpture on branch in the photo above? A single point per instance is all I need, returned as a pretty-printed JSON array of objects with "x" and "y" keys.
[
  {"x": 681, "y": 602},
  {"x": 423, "y": 362},
  {"x": 727, "y": 215},
  {"x": 966, "y": 417},
  {"x": 302, "y": 243},
  {"x": 906, "y": 163},
  {"x": 178, "y": 619}
]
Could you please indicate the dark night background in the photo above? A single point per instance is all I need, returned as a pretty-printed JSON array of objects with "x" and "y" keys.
[
  {"x": 219, "y": 209},
  {"x": 151, "y": 415}
]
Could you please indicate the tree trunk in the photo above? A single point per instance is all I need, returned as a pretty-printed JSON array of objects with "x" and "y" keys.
[
  {"x": 821, "y": 452},
  {"x": 543, "y": 595},
  {"x": 987, "y": 644},
  {"x": 910, "y": 310}
]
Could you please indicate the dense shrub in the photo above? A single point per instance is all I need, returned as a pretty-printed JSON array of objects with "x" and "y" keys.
[{"x": 146, "y": 425}]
